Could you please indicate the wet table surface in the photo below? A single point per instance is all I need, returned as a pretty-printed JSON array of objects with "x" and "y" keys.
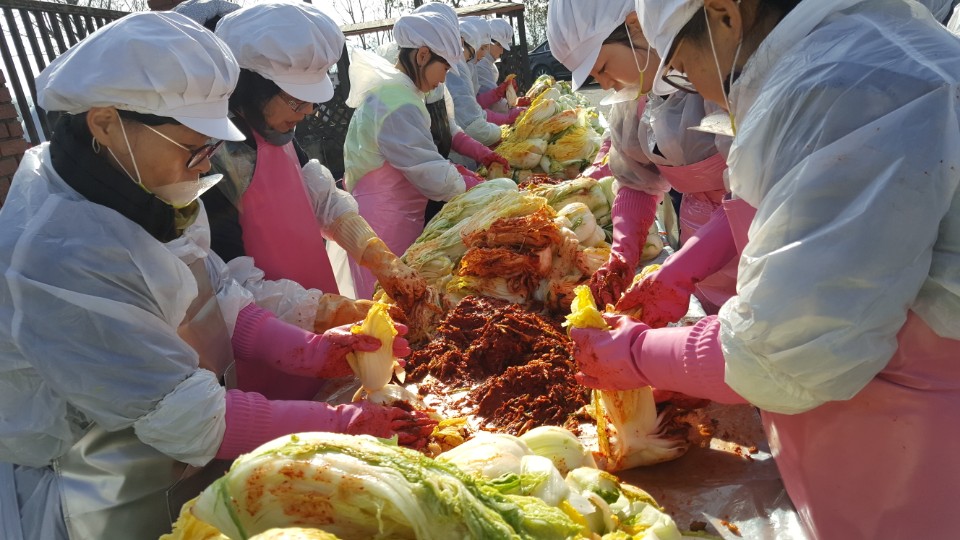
[{"x": 730, "y": 479}]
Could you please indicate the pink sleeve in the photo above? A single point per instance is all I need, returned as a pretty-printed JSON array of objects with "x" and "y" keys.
[
  {"x": 598, "y": 169},
  {"x": 468, "y": 146},
  {"x": 253, "y": 420},
  {"x": 500, "y": 119},
  {"x": 705, "y": 253},
  {"x": 686, "y": 359},
  {"x": 470, "y": 178},
  {"x": 256, "y": 372},
  {"x": 633, "y": 213},
  {"x": 489, "y": 98}
]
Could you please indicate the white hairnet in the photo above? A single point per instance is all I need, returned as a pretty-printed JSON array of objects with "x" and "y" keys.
[
  {"x": 661, "y": 22},
  {"x": 483, "y": 25},
  {"x": 204, "y": 11},
  {"x": 439, "y": 7},
  {"x": 576, "y": 31},
  {"x": 471, "y": 33},
  {"x": 293, "y": 45},
  {"x": 502, "y": 32},
  {"x": 431, "y": 29},
  {"x": 389, "y": 51},
  {"x": 117, "y": 66}
]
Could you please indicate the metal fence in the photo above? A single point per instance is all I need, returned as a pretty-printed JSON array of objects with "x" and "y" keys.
[{"x": 41, "y": 31}]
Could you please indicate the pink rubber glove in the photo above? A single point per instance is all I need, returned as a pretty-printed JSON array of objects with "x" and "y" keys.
[
  {"x": 686, "y": 359},
  {"x": 504, "y": 119},
  {"x": 524, "y": 101},
  {"x": 466, "y": 145},
  {"x": 599, "y": 169},
  {"x": 470, "y": 178},
  {"x": 664, "y": 296},
  {"x": 490, "y": 97},
  {"x": 500, "y": 119},
  {"x": 493, "y": 157},
  {"x": 633, "y": 213},
  {"x": 260, "y": 337},
  {"x": 253, "y": 420}
]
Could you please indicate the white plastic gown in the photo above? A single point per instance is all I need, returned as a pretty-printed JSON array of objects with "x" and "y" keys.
[
  {"x": 954, "y": 23},
  {"x": 89, "y": 309},
  {"x": 392, "y": 125},
  {"x": 487, "y": 74},
  {"x": 848, "y": 147},
  {"x": 941, "y": 9},
  {"x": 661, "y": 136},
  {"x": 462, "y": 84}
]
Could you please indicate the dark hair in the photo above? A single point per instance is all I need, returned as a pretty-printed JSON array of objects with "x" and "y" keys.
[
  {"x": 252, "y": 93},
  {"x": 696, "y": 28},
  {"x": 408, "y": 64},
  {"x": 211, "y": 23},
  {"x": 620, "y": 34},
  {"x": 71, "y": 124},
  {"x": 469, "y": 48},
  {"x": 148, "y": 119}
]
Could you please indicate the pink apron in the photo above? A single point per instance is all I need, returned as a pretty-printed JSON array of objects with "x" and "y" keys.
[
  {"x": 394, "y": 209},
  {"x": 702, "y": 186},
  {"x": 280, "y": 229},
  {"x": 882, "y": 465}
]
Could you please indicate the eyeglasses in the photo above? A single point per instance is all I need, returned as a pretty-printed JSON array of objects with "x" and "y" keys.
[
  {"x": 196, "y": 156},
  {"x": 679, "y": 81},
  {"x": 674, "y": 78},
  {"x": 296, "y": 105}
]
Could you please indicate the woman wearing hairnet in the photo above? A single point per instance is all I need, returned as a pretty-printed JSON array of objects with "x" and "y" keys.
[
  {"x": 117, "y": 324},
  {"x": 392, "y": 165},
  {"x": 652, "y": 148},
  {"x": 485, "y": 75},
  {"x": 274, "y": 204},
  {"x": 501, "y": 39},
  {"x": 844, "y": 332},
  {"x": 462, "y": 84},
  {"x": 447, "y": 135}
]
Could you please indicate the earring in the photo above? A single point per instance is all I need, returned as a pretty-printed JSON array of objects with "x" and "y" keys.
[{"x": 95, "y": 144}]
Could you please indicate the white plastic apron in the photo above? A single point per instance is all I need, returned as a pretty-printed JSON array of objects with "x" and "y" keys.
[
  {"x": 882, "y": 465},
  {"x": 740, "y": 216},
  {"x": 280, "y": 229},
  {"x": 112, "y": 485},
  {"x": 703, "y": 190},
  {"x": 394, "y": 208}
]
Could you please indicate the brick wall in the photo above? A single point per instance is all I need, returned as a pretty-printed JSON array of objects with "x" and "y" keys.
[{"x": 12, "y": 143}]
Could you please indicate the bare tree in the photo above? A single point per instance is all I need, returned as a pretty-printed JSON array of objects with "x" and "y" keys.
[
  {"x": 114, "y": 5},
  {"x": 535, "y": 19}
]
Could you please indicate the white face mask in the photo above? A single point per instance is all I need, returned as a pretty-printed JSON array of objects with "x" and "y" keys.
[
  {"x": 178, "y": 195},
  {"x": 181, "y": 194}
]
